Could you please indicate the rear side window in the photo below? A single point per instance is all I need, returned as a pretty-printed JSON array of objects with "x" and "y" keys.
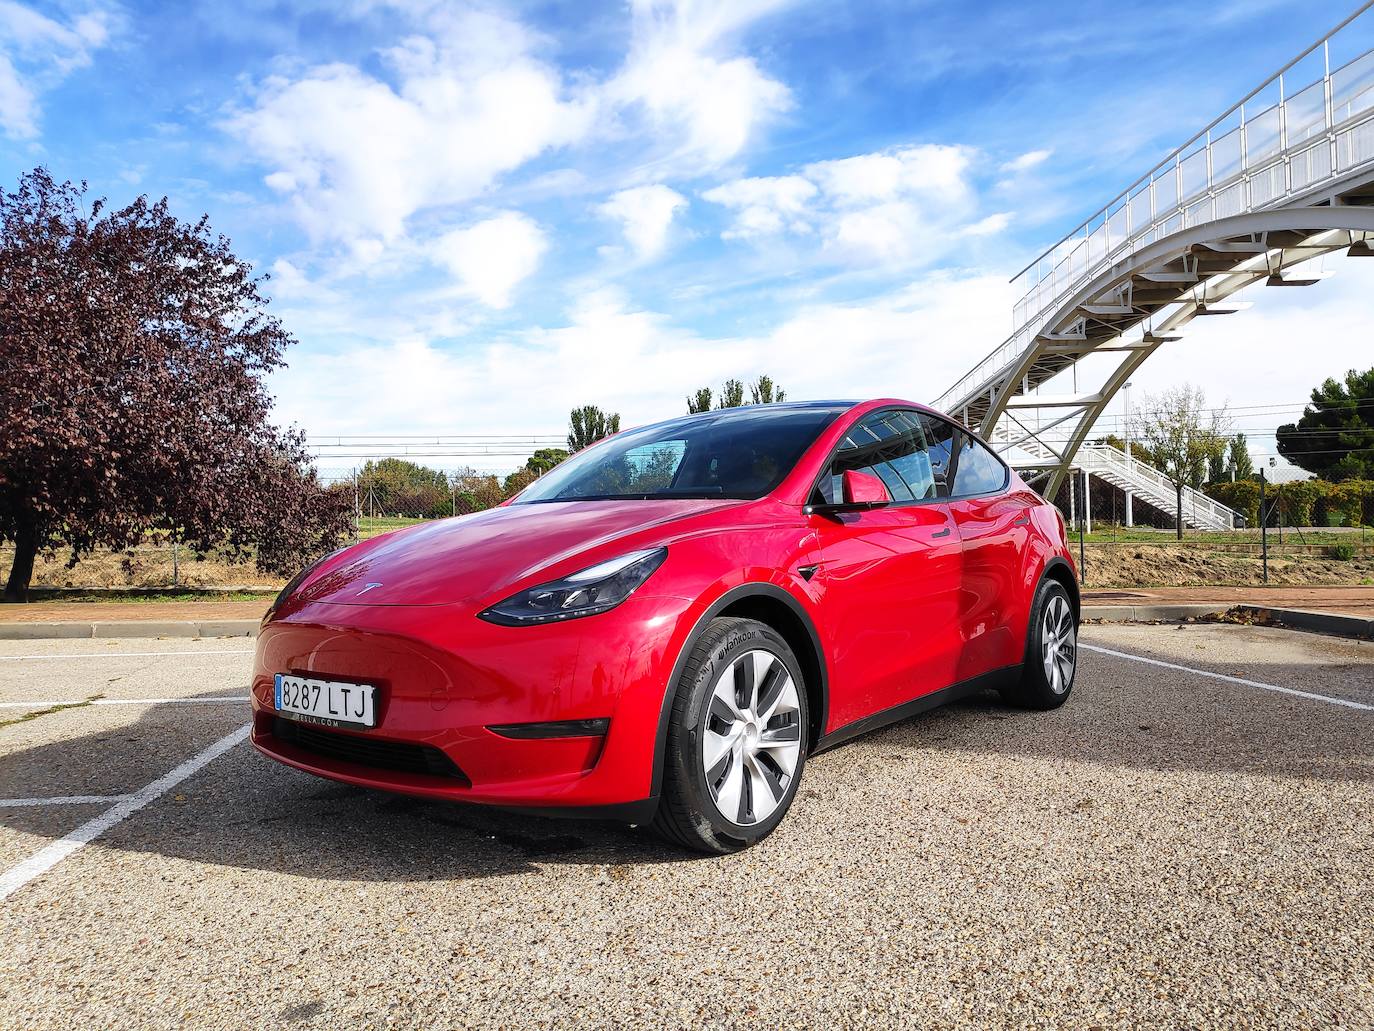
[
  {"x": 890, "y": 445},
  {"x": 978, "y": 471}
]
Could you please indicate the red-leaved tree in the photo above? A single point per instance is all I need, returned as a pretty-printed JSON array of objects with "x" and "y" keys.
[{"x": 134, "y": 348}]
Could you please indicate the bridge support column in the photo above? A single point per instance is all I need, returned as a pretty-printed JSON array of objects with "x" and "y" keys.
[{"x": 1130, "y": 521}]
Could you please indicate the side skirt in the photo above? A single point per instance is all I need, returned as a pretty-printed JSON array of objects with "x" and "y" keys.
[{"x": 984, "y": 681}]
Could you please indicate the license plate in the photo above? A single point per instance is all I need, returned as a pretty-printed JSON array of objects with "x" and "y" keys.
[{"x": 331, "y": 702}]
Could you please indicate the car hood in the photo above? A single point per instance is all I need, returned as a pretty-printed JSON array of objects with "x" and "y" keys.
[{"x": 451, "y": 560}]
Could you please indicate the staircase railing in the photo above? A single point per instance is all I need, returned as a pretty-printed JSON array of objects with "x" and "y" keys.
[{"x": 1104, "y": 458}]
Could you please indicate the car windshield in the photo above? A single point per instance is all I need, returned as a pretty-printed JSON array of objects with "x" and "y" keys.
[{"x": 735, "y": 453}]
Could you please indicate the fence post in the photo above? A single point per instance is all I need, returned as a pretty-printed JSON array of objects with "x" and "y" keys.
[{"x": 1264, "y": 528}]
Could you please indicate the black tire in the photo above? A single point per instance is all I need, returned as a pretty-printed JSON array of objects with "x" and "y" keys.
[
  {"x": 687, "y": 813},
  {"x": 1038, "y": 687}
]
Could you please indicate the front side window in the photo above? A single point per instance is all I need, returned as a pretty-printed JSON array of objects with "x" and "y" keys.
[
  {"x": 736, "y": 453},
  {"x": 890, "y": 445},
  {"x": 978, "y": 471}
]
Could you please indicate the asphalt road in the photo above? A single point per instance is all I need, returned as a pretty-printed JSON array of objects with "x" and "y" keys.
[{"x": 1170, "y": 848}]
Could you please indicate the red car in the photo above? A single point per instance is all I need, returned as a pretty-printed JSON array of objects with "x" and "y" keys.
[{"x": 664, "y": 627}]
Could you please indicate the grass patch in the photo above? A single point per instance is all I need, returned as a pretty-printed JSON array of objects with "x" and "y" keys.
[
  {"x": 150, "y": 597},
  {"x": 49, "y": 711}
]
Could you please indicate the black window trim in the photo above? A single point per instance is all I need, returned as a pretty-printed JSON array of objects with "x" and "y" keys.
[
  {"x": 835, "y": 452},
  {"x": 950, "y": 476},
  {"x": 954, "y": 465}
]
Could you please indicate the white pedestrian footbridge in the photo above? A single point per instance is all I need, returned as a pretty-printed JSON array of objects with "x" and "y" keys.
[{"x": 1283, "y": 178}]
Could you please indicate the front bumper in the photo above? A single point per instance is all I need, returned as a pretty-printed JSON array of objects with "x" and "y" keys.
[{"x": 445, "y": 677}]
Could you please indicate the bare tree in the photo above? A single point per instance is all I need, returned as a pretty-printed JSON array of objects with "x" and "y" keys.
[{"x": 1183, "y": 437}]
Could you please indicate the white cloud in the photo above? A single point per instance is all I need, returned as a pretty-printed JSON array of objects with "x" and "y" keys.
[
  {"x": 910, "y": 343},
  {"x": 705, "y": 102},
  {"x": 36, "y": 53},
  {"x": 358, "y": 155},
  {"x": 931, "y": 172},
  {"x": 896, "y": 206},
  {"x": 1027, "y": 161},
  {"x": 465, "y": 99},
  {"x": 490, "y": 259},
  {"x": 645, "y": 214},
  {"x": 765, "y": 205}
]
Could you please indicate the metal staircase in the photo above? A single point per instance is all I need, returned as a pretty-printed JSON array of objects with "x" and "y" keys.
[
  {"x": 1148, "y": 484},
  {"x": 1139, "y": 479}
]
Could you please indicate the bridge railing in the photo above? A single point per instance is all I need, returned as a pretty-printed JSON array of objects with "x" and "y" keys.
[{"x": 1254, "y": 156}]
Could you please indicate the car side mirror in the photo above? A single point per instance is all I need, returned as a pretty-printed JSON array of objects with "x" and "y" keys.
[{"x": 864, "y": 489}]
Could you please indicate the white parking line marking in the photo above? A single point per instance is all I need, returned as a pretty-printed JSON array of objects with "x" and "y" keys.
[
  {"x": 81, "y": 702},
  {"x": 15, "y": 803},
  {"x": 18, "y": 876},
  {"x": 1230, "y": 679},
  {"x": 121, "y": 655}
]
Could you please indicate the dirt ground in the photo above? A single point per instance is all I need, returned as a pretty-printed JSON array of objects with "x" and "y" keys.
[
  {"x": 1191, "y": 565},
  {"x": 143, "y": 567},
  {"x": 1108, "y": 565}
]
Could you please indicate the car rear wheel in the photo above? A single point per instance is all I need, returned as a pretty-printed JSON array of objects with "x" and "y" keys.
[
  {"x": 1051, "y": 651},
  {"x": 736, "y": 739}
]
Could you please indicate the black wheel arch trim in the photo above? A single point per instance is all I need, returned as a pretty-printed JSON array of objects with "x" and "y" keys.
[
  {"x": 730, "y": 597},
  {"x": 1058, "y": 562}
]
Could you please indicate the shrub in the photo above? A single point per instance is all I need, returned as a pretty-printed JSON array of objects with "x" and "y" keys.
[{"x": 1343, "y": 552}]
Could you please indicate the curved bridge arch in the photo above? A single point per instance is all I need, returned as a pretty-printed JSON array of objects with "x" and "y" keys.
[{"x": 1135, "y": 305}]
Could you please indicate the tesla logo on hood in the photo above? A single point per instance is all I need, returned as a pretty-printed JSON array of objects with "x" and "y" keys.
[{"x": 368, "y": 588}]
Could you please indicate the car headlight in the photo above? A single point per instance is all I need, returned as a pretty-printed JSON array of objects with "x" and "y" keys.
[
  {"x": 586, "y": 593},
  {"x": 295, "y": 582}
]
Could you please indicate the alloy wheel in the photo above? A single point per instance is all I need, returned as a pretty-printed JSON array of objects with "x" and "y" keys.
[
  {"x": 1058, "y": 641},
  {"x": 752, "y": 737}
]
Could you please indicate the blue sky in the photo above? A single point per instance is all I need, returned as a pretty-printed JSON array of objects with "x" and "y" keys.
[{"x": 477, "y": 216}]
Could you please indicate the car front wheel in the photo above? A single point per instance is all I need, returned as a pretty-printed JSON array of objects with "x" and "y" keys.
[
  {"x": 736, "y": 739},
  {"x": 1051, "y": 651}
]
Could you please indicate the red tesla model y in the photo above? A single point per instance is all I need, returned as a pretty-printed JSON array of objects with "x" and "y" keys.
[{"x": 663, "y": 628}]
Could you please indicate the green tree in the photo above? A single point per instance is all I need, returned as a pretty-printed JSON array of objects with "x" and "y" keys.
[
  {"x": 474, "y": 491},
  {"x": 1334, "y": 439},
  {"x": 1183, "y": 436},
  {"x": 731, "y": 395},
  {"x": 519, "y": 480},
  {"x": 1238, "y": 462},
  {"x": 765, "y": 392},
  {"x": 699, "y": 402},
  {"x": 589, "y": 424},
  {"x": 545, "y": 459},
  {"x": 394, "y": 486}
]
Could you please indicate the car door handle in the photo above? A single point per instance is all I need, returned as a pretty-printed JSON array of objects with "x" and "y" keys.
[
  {"x": 1020, "y": 520},
  {"x": 940, "y": 533}
]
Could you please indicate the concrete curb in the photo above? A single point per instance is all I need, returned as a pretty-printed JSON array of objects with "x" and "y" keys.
[
  {"x": 1149, "y": 613},
  {"x": 129, "y": 628},
  {"x": 1300, "y": 619},
  {"x": 1319, "y": 622}
]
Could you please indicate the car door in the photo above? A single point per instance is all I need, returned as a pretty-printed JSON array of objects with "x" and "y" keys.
[
  {"x": 889, "y": 576},
  {"x": 994, "y": 528}
]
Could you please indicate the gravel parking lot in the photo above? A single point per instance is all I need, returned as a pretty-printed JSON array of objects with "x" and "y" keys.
[{"x": 1171, "y": 848}]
